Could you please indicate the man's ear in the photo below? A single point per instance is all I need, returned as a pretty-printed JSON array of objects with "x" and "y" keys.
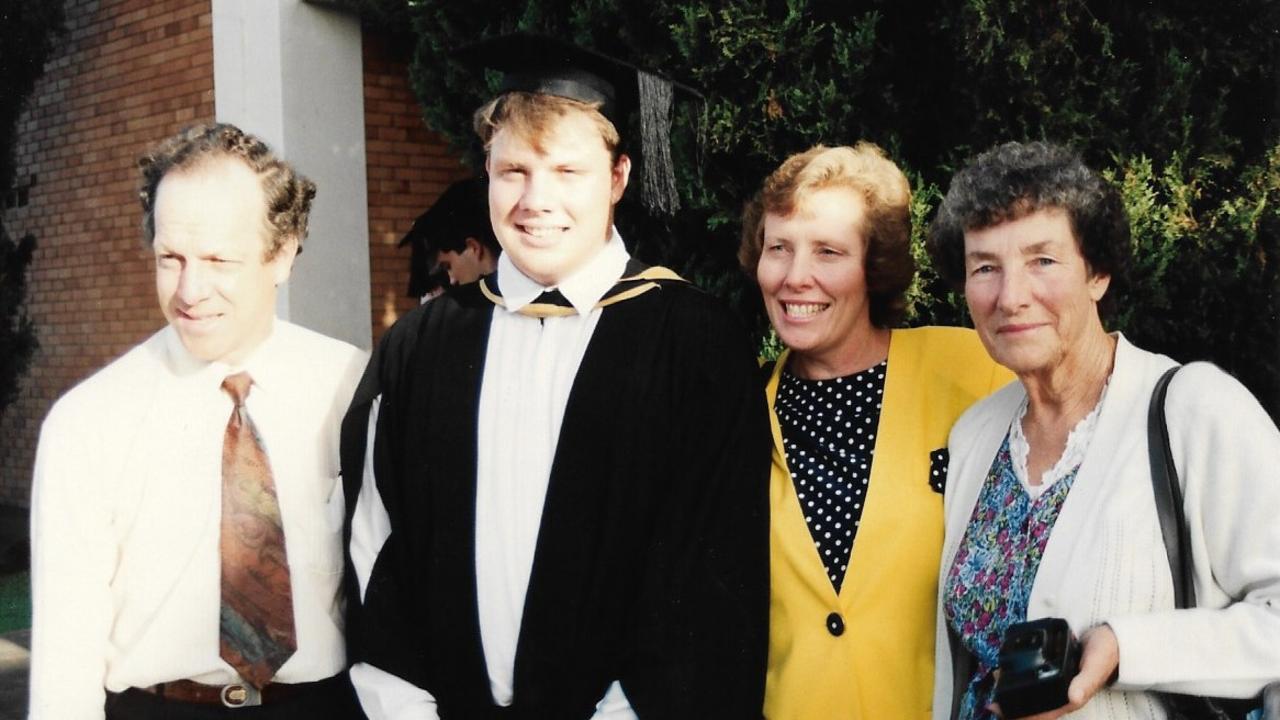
[
  {"x": 473, "y": 245},
  {"x": 282, "y": 262},
  {"x": 618, "y": 178}
]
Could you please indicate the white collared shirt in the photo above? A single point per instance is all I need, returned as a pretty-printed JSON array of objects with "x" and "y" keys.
[
  {"x": 529, "y": 368},
  {"x": 583, "y": 289},
  {"x": 126, "y": 515}
]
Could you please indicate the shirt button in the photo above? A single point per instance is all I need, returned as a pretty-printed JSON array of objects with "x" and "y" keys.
[{"x": 835, "y": 624}]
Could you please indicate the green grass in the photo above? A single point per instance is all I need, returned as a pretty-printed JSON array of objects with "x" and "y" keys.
[{"x": 15, "y": 601}]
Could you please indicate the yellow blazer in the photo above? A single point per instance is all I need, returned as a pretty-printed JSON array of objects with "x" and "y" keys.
[{"x": 881, "y": 664}]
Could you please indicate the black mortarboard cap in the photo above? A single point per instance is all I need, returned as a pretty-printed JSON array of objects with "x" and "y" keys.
[
  {"x": 461, "y": 211},
  {"x": 548, "y": 66}
]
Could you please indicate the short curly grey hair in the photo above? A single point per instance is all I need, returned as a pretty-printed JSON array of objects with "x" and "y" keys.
[
  {"x": 1012, "y": 181},
  {"x": 288, "y": 194}
]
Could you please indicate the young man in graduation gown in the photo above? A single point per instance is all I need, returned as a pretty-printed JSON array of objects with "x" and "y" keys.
[{"x": 558, "y": 473}]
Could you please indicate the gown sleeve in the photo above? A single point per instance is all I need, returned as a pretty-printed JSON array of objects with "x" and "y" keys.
[
  {"x": 387, "y": 667},
  {"x": 702, "y": 626}
]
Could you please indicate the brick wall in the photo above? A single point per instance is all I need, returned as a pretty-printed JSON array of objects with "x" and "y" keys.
[
  {"x": 408, "y": 167},
  {"x": 126, "y": 73}
]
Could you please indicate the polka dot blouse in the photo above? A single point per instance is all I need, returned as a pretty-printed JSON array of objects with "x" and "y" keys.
[{"x": 829, "y": 437}]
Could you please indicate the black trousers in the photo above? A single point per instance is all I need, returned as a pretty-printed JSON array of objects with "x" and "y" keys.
[{"x": 331, "y": 699}]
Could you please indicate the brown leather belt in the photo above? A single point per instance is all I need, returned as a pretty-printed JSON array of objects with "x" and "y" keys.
[{"x": 234, "y": 695}]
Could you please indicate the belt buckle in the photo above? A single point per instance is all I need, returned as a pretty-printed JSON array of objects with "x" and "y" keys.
[{"x": 239, "y": 695}]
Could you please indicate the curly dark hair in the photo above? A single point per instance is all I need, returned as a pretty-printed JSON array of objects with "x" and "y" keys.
[
  {"x": 867, "y": 171},
  {"x": 1013, "y": 180},
  {"x": 287, "y": 193}
]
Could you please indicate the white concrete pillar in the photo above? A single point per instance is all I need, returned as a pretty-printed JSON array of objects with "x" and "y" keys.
[{"x": 291, "y": 73}]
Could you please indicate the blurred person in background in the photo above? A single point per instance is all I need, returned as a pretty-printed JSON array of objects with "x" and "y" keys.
[{"x": 452, "y": 243}]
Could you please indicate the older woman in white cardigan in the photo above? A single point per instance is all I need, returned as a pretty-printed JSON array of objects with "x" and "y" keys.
[{"x": 1049, "y": 503}]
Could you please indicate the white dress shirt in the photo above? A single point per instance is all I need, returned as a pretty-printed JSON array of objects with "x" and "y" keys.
[
  {"x": 126, "y": 508},
  {"x": 529, "y": 368}
]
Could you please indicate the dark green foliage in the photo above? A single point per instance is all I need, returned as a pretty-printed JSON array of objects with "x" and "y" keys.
[
  {"x": 27, "y": 32},
  {"x": 15, "y": 601},
  {"x": 1204, "y": 277},
  {"x": 390, "y": 19},
  {"x": 1176, "y": 102},
  {"x": 17, "y": 335},
  {"x": 380, "y": 14},
  {"x": 28, "y": 29}
]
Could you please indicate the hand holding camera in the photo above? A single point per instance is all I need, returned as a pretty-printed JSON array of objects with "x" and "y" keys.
[{"x": 1045, "y": 673}]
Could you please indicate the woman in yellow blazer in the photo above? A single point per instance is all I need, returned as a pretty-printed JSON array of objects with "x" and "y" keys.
[{"x": 860, "y": 416}]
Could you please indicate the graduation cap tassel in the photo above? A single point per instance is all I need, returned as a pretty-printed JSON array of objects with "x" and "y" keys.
[
  {"x": 548, "y": 66},
  {"x": 658, "y": 184}
]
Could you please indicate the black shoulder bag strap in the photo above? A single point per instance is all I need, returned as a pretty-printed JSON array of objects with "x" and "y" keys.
[
  {"x": 1168, "y": 492},
  {"x": 1177, "y": 545}
]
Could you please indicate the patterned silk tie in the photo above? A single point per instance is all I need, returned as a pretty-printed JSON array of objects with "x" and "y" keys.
[{"x": 256, "y": 621}]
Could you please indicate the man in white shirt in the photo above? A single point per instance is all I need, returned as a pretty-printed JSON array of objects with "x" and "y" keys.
[
  {"x": 558, "y": 474},
  {"x": 186, "y": 510}
]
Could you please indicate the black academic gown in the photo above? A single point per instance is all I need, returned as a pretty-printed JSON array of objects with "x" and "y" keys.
[{"x": 651, "y": 565}]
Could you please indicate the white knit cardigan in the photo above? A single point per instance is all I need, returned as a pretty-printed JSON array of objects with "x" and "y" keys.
[{"x": 1105, "y": 560}]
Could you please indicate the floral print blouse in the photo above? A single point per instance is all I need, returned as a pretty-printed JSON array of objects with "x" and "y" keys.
[{"x": 989, "y": 584}]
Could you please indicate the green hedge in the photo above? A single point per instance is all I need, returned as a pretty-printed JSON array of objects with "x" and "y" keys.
[
  {"x": 15, "y": 601},
  {"x": 1176, "y": 102},
  {"x": 28, "y": 29}
]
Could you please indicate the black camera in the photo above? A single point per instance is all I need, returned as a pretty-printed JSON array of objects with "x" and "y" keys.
[{"x": 1038, "y": 659}]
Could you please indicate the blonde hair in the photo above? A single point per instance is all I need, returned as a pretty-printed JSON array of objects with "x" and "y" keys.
[
  {"x": 530, "y": 117},
  {"x": 886, "y": 195}
]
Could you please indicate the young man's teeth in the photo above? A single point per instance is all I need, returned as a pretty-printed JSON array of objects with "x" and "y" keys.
[
  {"x": 805, "y": 309},
  {"x": 540, "y": 231}
]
